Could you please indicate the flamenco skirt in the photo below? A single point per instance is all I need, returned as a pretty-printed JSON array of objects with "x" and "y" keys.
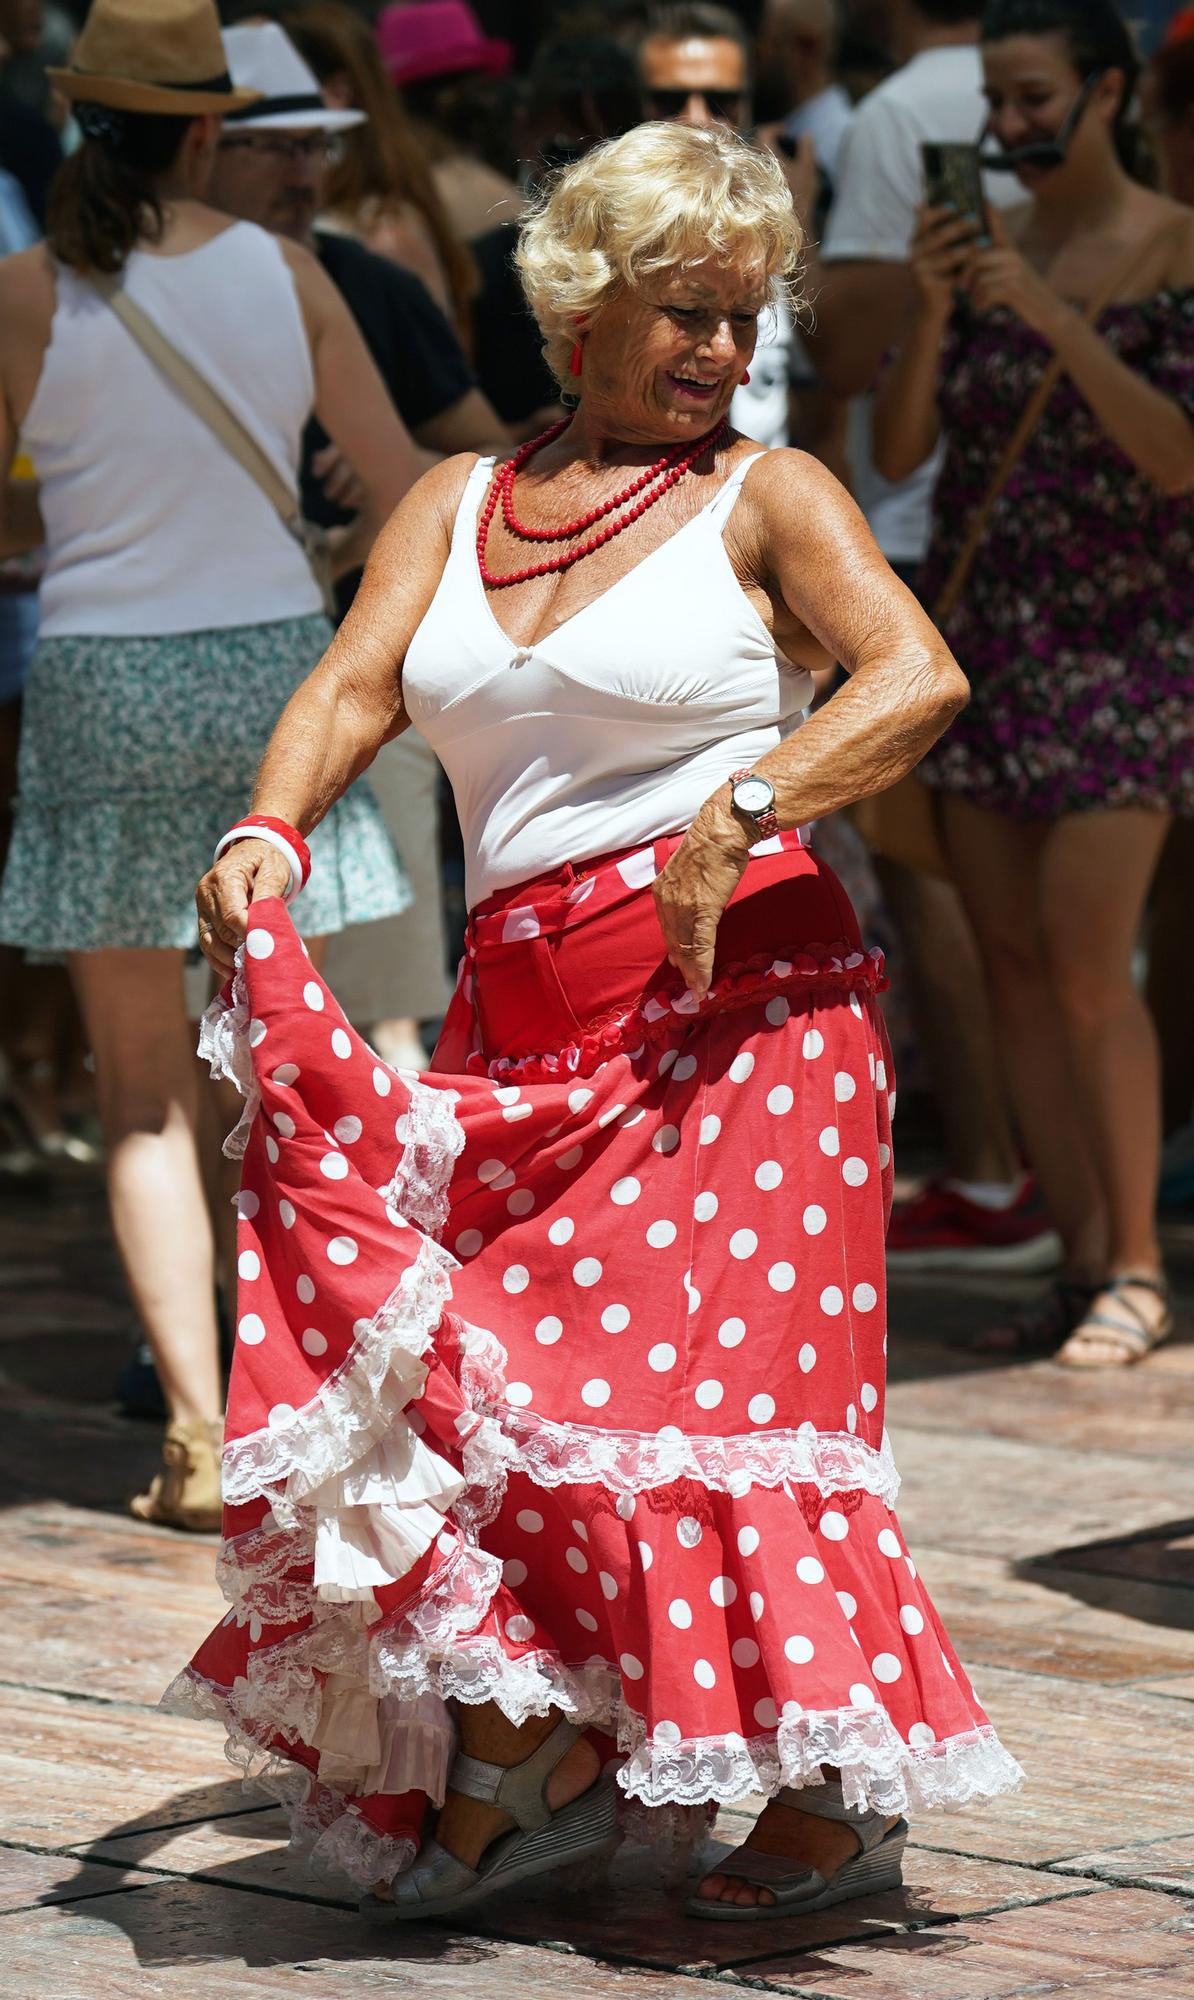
[{"x": 559, "y": 1376}]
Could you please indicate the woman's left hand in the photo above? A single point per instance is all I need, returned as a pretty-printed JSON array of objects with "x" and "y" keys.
[
  {"x": 694, "y": 889},
  {"x": 1000, "y": 276}
]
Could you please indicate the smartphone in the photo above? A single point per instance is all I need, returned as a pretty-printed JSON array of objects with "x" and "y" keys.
[{"x": 953, "y": 179}]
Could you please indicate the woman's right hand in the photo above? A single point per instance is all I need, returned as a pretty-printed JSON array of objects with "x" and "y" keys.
[
  {"x": 941, "y": 254},
  {"x": 245, "y": 873}
]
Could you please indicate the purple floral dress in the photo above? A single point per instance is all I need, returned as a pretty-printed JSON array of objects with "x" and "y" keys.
[{"x": 1076, "y": 626}]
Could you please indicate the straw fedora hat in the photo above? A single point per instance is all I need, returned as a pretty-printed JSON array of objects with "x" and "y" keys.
[{"x": 155, "y": 56}]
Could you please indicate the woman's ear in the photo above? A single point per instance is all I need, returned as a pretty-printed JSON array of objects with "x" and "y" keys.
[{"x": 1109, "y": 94}]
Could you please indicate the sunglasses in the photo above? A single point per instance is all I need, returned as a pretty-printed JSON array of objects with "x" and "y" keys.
[
  {"x": 726, "y": 105},
  {"x": 313, "y": 148}
]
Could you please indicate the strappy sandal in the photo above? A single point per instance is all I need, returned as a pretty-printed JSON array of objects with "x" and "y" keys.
[
  {"x": 440, "y": 1885},
  {"x": 1041, "y": 1324},
  {"x": 800, "y": 1889},
  {"x": 1134, "y": 1336}
]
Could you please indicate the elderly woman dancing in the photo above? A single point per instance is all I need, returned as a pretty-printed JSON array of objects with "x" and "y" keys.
[{"x": 556, "y": 1469}]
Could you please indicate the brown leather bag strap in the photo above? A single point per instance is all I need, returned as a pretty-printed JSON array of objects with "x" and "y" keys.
[{"x": 1033, "y": 411}]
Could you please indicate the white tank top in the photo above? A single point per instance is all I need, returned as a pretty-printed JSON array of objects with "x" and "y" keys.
[
  {"x": 151, "y": 525},
  {"x": 613, "y": 730}
]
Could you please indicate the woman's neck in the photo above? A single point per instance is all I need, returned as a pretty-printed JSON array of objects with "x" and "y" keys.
[
  {"x": 1085, "y": 208},
  {"x": 599, "y": 438}
]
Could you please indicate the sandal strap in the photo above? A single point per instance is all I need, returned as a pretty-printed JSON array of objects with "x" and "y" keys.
[
  {"x": 1138, "y": 1337},
  {"x": 1127, "y": 1281},
  {"x": 825, "y": 1801},
  {"x": 518, "y": 1789}
]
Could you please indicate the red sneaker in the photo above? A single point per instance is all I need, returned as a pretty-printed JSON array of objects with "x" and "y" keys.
[{"x": 941, "y": 1229}]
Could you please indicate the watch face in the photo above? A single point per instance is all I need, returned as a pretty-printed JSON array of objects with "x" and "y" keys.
[{"x": 753, "y": 795}]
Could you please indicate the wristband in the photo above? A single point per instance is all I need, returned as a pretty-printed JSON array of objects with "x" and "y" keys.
[{"x": 286, "y": 840}]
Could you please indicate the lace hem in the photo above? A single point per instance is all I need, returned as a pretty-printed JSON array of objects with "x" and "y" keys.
[
  {"x": 226, "y": 1044},
  {"x": 433, "y": 1140},
  {"x": 652, "y": 1020}
]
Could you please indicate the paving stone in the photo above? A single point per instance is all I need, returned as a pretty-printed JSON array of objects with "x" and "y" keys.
[
  {"x": 1117, "y": 1945},
  {"x": 195, "y": 1941},
  {"x": 245, "y": 1850},
  {"x": 71, "y": 1771},
  {"x": 1179, "y": 1689},
  {"x": 29, "y": 1880},
  {"x": 1159, "y": 1864}
]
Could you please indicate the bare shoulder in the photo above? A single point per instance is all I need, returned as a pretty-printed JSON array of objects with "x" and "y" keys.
[
  {"x": 27, "y": 287},
  {"x": 423, "y": 521},
  {"x": 1180, "y": 261},
  {"x": 789, "y": 493}
]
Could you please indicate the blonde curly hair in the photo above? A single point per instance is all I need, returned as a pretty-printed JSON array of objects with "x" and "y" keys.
[{"x": 661, "y": 197}]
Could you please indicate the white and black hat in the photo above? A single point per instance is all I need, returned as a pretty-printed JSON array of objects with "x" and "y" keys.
[{"x": 263, "y": 58}]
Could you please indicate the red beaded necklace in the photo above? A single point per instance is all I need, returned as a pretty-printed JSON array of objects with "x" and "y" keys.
[{"x": 663, "y": 475}]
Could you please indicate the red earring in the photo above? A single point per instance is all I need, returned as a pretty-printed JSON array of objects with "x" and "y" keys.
[
  {"x": 577, "y": 361},
  {"x": 746, "y": 378}
]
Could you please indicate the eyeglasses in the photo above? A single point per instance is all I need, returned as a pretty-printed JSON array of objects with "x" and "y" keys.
[
  {"x": 725, "y": 105},
  {"x": 313, "y": 149}
]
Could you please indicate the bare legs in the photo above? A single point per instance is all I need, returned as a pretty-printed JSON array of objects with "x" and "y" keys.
[
  {"x": 148, "y": 1087},
  {"x": 1056, "y": 907}
]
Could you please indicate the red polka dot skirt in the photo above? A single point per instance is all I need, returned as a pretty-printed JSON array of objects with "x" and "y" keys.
[{"x": 559, "y": 1372}]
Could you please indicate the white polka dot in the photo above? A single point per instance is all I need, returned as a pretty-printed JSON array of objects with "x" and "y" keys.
[
  {"x": 854, "y": 1171},
  {"x": 646, "y": 1554},
  {"x": 587, "y": 1620},
  {"x": 911, "y": 1619},
  {"x": 704, "y": 1208},
  {"x": 781, "y": 1277},
  {"x": 625, "y": 1191},
  {"x": 548, "y": 1331},
  {"x": 609, "y": 1584},
  {"x": 572, "y": 1158},
  {"x": 577, "y": 1559},
  {"x": 685, "y": 1067},
  {"x": 814, "y": 1219},
  {"x": 834, "y": 1526},
  {"x": 884, "y": 1163},
  {"x": 580, "y": 1531},
  {"x": 519, "y": 1394},
  {"x": 889, "y": 1543},
  {"x": 491, "y": 1170},
  {"x": 868, "y": 1396},
  {"x": 280, "y": 1414},
  {"x": 745, "y": 1652},
  {"x": 748, "y": 1541},
  {"x": 342, "y": 1250},
  {"x": 743, "y": 1244},
  {"x": 741, "y": 1067},
  {"x": 661, "y": 1357},
  {"x": 768, "y": 1175},
  {"x": 341, "y": 1043},
  {"x": 708, "y": 1394},
  {"x": 513, "y": 1112},
  {"x": 284, "y": 1125},
  {"x": 508, "y": 1094},
  {"x": 514, "y": 1572},
  {"x": 780, "y": 1099},
  {"x": 529, "y": 1521},
  {"x": 272, "y": 1151},
  {"x": 703, "y": 1674},
  {"x": 765, "y": 1713},
  {"x": 731, "y": 1332},
  {"x": 809, "y": 1570},
  {"x": 632, "y": 1668},
  {"x": 666, "y": 1139},
  {"x": 287, "y": 1215},
  {"x": 615, "y": 1319},
  {"x": 624, "y": 1506},
  {"x": 880, "y": 1076},
  {"x": 334, "y": 1167},
  {"x": 381, "y": 1081},
  {"x": 851, "y": 1418},
  {"x": 886, "y": 1667},
  {"x": 849, "y": 1604},
  {"x": 521, "y": 1202},
  {"x": 830, "y": 1142},
  {"x": 777, "y": 1011},
  {"x": 313, "y": 996},
  {"x": 314, "y": 1342},
  {"x": 807, "y": 1358},
  {"x": 812, "y": 1045},
  {"x": 251, "y": 1329},
  {"x": 259, "y": 944},
  {"x": 587, "y": 1272},
  {"x": 595, "y": 1393},
  {"x": 468, "y": 1242},
  {"x": 862, "y": 1696},
  {"x": 515, "y": 1278},
  {"x": 287, "y": 1074},
  {"x": 761, "y": 1409},
  {"x": 347, "y": 1131},
  {"x": 248, "y": 1266},
  {"x": 798, "y": 1649},
  {"x": 921, "y": 1735},
  {"x": 689, "y": 1531},
  {"x": 257, "y": 1033},
  {"x": 680, "y": 1613},
  {"x": 666, "y": 1060},
  {"x": 577, "y": 1100},
  {"x": 710, "y": 1127},
  {"x": 757, "y": 1605},
  {"x": 661, "y": 1234},
  {"x": 865, "y": 1299},
  {"x": 562, "y": 1230},
  {"x": 520, "y": 1629},
  {"x": 723, "y": 1590}
]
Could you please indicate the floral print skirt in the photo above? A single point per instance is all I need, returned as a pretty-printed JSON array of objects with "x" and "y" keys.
[{"x": 136, "y": 754}]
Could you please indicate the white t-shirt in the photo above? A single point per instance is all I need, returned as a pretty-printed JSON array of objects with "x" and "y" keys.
[
  {"x": 938, "y": 95},
  {"x": 760, "y": 407}
]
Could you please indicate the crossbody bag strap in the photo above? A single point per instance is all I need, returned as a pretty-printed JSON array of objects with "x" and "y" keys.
[
  {"x": 206, "y": 403},
  {"x": 1030, "y": 418}
]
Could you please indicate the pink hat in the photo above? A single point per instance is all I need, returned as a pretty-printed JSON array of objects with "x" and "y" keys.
[{"x": 425, "y": 38}]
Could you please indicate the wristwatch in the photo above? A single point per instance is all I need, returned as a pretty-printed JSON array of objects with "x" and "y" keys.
[{"x": 754, "y": 797}]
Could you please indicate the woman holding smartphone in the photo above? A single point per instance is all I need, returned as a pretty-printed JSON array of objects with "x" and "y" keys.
[{"x": 1076, "y": 624}]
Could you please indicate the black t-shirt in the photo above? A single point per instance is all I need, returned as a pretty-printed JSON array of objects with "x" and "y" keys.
[{"x": 509, "y": 345}]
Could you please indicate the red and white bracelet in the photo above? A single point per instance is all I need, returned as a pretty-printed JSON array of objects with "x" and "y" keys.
[{"x": 276, "y": 833}]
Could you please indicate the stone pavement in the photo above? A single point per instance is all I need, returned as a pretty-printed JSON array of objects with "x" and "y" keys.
[{"x": 1053, "y": 1516}]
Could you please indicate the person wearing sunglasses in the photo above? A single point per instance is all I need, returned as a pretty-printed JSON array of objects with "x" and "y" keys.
[{"x": 1057, "y": 790}]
